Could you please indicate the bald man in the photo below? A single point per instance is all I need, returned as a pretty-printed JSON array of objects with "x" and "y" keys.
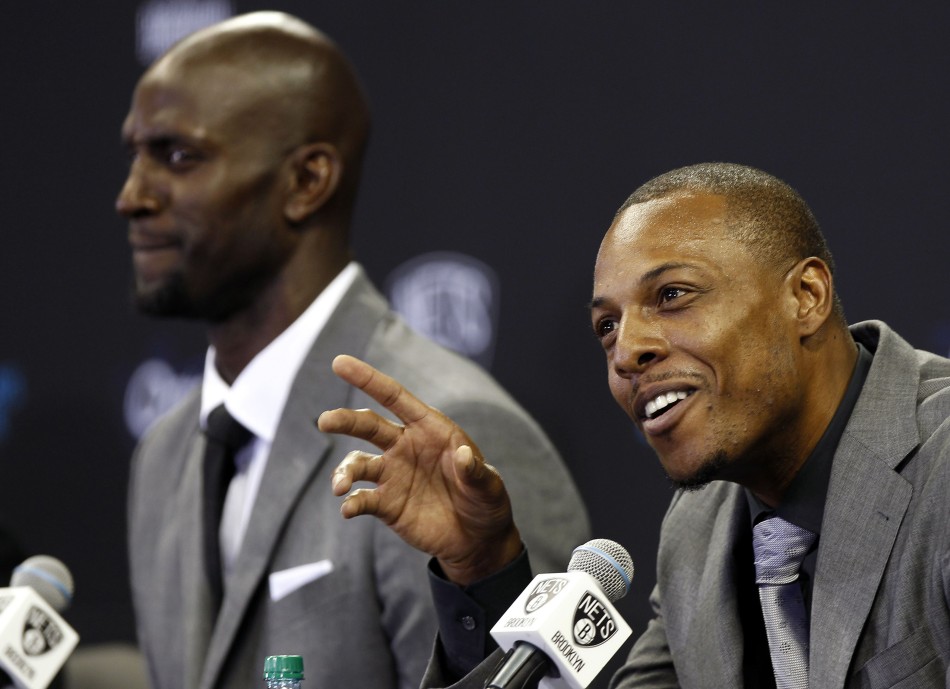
[{"x": 246, "y": 142}]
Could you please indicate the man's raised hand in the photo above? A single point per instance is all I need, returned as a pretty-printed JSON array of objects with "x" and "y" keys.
[{"x": 433, "y": 487}]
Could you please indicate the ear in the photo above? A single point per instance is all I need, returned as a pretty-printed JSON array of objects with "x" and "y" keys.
[
  {"x": 813, "y": 292},
  {"x": 315, "y": 171}
]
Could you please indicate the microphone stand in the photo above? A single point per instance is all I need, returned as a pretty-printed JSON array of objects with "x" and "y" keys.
[{"x": 523, "y": 667}]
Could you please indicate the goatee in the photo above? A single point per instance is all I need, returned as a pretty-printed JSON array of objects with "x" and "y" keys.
[{"x": 707, "y": 472}]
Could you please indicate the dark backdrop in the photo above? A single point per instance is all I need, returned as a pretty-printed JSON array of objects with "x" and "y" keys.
[{"x": 508, "y": 131}]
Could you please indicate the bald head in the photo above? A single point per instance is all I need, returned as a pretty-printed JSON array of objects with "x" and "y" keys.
[
  {"x": 245, "y": 142},
  {"x": 273, "y": 72}
]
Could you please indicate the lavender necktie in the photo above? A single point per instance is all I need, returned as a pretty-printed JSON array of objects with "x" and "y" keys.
[{"x": 779, "y": 549}]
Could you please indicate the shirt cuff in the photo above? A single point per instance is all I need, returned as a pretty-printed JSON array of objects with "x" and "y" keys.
[{"x": 467, "y": 613}]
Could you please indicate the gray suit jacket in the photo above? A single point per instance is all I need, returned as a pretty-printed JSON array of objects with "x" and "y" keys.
[
  {"x": 369, "y": 622},
  {"x": 881, "y": 598}
]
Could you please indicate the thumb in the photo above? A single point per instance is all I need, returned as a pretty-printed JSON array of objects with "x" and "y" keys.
[
  {"x": 472, "y": 470},
  {"x": 466, "y": 465}
]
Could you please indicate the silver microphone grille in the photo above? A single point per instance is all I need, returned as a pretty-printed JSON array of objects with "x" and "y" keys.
[
  {"x": 608, "y": 562},
  {"x": 48, "y": 577}
]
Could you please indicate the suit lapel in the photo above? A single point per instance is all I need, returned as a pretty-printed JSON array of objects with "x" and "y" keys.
[
  {"x": 299, "y": 449},
  {"x": 716, "y": 637},
  {"x": 867, "y": 500},
  {"x": 196, "y": 594},
  {"x": 179, "y": 616}
]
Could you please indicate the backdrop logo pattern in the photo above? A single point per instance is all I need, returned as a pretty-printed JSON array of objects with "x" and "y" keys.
[
  {"x": 160, "y": 23},
  {"x": 153, "y": 389},
  {"x": 12, "y": 395},
  {"x": 450, "y": 298}
]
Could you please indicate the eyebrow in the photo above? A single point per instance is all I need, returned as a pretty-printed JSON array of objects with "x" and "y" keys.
[
  {"x": 648, "y": 276},
  {"x": 158, "y": 135}
]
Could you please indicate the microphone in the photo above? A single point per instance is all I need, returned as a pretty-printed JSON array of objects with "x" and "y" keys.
[
  {"x": 34, "y": 640},
  {"x": 563, "y": 629}
]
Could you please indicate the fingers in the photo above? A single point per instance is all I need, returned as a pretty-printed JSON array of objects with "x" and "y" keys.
[
  {"x": 361, "y": 423},
  {"x": 385, "y": 390},
  {"x": 356, "y": 466},
  {"x": 359, "y": 502}
]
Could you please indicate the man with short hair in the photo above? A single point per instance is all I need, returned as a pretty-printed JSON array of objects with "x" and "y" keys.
[
  {"x": 790, "y": 436},
  {"x": 246, "y": 142}
]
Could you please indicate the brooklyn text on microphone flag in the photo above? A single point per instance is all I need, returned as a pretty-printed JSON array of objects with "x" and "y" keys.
[{"x": 34, "y": 640}]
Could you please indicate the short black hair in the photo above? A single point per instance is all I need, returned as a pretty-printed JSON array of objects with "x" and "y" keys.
[{"x": 764, "y": 212}]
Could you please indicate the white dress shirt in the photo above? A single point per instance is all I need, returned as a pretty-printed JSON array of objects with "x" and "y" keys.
[{"x": 256, "y": 399}]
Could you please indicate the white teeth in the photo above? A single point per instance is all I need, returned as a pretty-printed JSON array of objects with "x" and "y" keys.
[{"x": 663, "y": 400}]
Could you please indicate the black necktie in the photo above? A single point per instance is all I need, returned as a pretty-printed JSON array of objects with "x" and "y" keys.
[{"x": 224, "y": 437}]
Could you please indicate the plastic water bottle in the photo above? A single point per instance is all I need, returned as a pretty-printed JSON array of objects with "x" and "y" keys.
[{"x": 283, "y": 672}]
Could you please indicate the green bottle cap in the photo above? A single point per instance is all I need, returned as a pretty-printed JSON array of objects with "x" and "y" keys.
[{"x": 283, "y": 667}]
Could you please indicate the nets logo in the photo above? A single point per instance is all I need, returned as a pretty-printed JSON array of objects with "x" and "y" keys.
[
  {"x": 593, "y": 624},
  {"x": 40, "y": 633},
  {"x": 544, "y": 592},
  {"x": 450, "y": 298}
]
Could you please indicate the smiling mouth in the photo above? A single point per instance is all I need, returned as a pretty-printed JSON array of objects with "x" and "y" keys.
[
  {"x": 142, "y": 240},
  {"x": 665, "y": 401}
]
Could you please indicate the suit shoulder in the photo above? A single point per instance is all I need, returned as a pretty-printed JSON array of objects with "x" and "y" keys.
[
  {"x": 933, "y": 394},
  {"x": 171, "y": 431},
  {"x": 428, "y": 367}
]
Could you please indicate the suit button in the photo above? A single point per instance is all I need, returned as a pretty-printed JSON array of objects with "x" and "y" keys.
[{"x": 468, "y": 623}]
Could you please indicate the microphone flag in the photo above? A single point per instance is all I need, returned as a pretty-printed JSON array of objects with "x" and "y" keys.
[
  {"x": 568, "y": 617},
  {"x": 34, "y": 640}
]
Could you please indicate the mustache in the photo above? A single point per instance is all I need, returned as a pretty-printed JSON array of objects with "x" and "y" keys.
[{"x": 650, "y": 379}]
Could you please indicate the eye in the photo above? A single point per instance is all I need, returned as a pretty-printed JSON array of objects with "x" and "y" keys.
[
  {"x": 174, "y": 154},
  {"x": 604, "y": 326},
  {"x": 668, "y": 294},
  {"x": 179, "y": 156}
]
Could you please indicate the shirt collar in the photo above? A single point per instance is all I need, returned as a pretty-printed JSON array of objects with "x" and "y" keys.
[
  {"x": 256, "y": 398},
  {"x": 804, "y": 502}
]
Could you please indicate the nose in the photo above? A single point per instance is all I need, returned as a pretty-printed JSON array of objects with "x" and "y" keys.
[
  {"x": 138, "y": 196},
  {"x": 640, "y": 342}
]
